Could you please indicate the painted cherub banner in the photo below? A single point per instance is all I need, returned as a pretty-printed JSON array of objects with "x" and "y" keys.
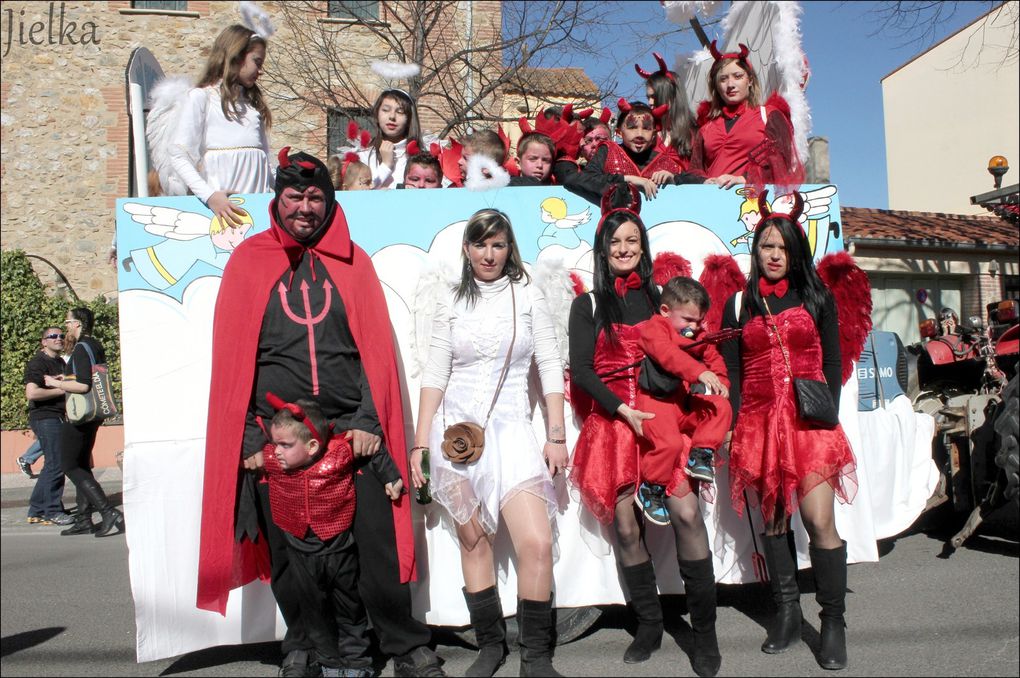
[{"x": 171, "y": 256}]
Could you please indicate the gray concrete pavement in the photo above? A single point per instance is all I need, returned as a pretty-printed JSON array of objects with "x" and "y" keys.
[{"x": 67, "y": 611}]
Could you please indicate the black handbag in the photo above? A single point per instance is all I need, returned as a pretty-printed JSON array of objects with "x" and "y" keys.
[
  {"x": 813, "y": 397},
  {"x": 655, "y": 381}
]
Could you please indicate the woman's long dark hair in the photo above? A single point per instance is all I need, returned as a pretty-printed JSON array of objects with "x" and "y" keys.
[
  {"x": 800, "y": 267},
  {"x": 608, "y": 310},
  {"x": 483, "y": 225},
  {"x": 680, "y": 122}
]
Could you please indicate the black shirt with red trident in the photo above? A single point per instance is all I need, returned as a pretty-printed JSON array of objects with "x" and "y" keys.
[{"x": 306, "y": 350}]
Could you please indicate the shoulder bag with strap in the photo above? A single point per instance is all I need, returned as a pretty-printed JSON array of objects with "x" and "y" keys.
[
  {"x": 814, "y": 399},
  {"x": 98, "y": 403},
  {"x": 464, "y": 442}
]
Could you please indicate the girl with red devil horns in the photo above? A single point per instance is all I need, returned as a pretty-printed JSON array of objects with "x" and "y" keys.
[
  {"x": 790, "y": 333},
  {"x": 640, "y": 159},
  {"x": 739, "y": 140},
  {"x": 605, "y": 349},
  {"x": 663, "y": 88}
]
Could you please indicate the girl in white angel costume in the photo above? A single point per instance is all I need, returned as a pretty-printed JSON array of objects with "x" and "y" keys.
[
  {"x": 493, "y": 312},
  {"x": 211, "y": 140}
]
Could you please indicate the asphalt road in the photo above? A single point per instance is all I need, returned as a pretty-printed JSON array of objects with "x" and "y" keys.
[{"x": 67, "y": 611}]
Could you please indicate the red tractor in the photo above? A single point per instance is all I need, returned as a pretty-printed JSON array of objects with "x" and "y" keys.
[{"x": 967, "y": 380}]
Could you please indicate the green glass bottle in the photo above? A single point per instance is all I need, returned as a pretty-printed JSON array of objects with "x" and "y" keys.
[{"x": 424, "y": 494}]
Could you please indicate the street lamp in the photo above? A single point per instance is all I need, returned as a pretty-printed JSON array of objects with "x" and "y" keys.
[{"x": 997, "y": 167}]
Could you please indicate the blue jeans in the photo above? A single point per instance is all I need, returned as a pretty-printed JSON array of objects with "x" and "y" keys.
[
  {"x": 33, "y": 452},
  {"x": 49, "y": 488}
]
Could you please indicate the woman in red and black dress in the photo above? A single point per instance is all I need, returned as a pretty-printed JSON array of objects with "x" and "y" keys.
[
  {"x": 789, "y": 325},
  {"x": 739, "y": 140},
  {"x": 604, "y": 348}
]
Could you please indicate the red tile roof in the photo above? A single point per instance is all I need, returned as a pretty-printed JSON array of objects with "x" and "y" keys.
[
  {"x": 562, "y": 82},
  {"x": 927, "y": 227}
]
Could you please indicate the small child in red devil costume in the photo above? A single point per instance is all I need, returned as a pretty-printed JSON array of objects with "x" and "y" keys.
[
  {"x": 311, "y": 494},
  {"x": 691, "y": 421}
]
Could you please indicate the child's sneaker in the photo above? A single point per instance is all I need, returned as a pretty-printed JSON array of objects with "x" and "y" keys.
[
  {"x": 699, "y": 464},
  {"x": 652, "y": 500}
]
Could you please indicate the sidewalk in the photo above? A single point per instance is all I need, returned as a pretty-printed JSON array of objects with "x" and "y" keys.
[{"x": 16, "y": 488}]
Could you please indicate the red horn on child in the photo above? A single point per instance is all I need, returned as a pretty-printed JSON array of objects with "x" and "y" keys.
[
  {"x": 659, "y": 111},
  {"x": 283, "y": 157},
  {"x": 584, "y": 113},
  {"x": 522, "y": 122},
  {"x": 744, "y": 51},
  {"x": 412, "y": 147},
  {"x": 642, "y": 72},
  {"x": 568, "y": 113},
  {"x": 352, "y": 130},
  {"x": 605, "y": 115},
  {"x": 714, "y": 51},
  {"x": 623, "y": 105}
]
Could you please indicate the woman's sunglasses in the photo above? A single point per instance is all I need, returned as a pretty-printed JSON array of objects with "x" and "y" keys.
[{"x": 54, "y": 336}]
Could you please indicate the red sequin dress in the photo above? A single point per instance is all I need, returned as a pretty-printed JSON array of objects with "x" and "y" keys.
[
  {"x": 773, "y": 452},
  {"x": 606, "y": 456}
]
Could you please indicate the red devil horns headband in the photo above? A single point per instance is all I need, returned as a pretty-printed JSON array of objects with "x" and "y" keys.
[
  {"x": 766, "y": 213},
  {"x": 284, "y": 158},
  {"x": 740, "y": 56},
  {"x": 277, "y": 403},
  {"x": 663, "y": 69}
]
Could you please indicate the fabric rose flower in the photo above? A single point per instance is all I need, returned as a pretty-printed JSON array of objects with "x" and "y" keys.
[{"x": 463, "y": 442}]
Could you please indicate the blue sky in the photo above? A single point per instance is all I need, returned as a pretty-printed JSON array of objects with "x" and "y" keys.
[{"x": 845, "y": 93}]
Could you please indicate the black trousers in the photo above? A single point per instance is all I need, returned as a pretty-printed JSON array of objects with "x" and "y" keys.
[
  {"x": 387, "y": 600},
  {"x": 76, "y": 443},
  {"x": 333, "y": 616}
]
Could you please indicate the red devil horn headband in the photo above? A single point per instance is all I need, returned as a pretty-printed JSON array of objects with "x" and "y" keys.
[
  {"x": 740, "y": 56},
  {"x": 663, "y": 69},
  {"x": 413, "y": 148},
  {"x": 277, "y": 403},
  {"x": 623, "y": 105},
  {"x": 284, "y": 159},
  {"x": 793, "y": 215}
]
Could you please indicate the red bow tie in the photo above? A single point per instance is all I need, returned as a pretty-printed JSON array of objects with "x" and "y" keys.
[
  {"x": 778, "y": 288},
  {"x": 631, "y": 282}
]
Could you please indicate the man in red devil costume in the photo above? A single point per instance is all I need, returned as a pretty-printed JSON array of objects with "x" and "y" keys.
[{"x": 301, "y": 312}]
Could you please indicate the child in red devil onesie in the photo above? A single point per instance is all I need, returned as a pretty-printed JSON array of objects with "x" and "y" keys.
[
  {"x": 739, "y": 140},
  {"x": 311, "y": 492},
  {"x": 693, "y": 420}
]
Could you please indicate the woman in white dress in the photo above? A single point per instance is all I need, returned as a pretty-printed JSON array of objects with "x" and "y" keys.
[
  {"x": 474, "y": 326},
  {"x": 220, "y": 145}
]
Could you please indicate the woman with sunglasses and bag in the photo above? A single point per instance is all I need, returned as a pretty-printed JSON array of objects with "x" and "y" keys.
[
  {"x": 77, "y": 440},
  {"x": 788, "y": 357},
  {"x": 474, "y": 421}
]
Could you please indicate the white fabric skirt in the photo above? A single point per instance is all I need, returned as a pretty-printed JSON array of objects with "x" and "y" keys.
[
  {"x": 238, "y": 170},
  {"x": 511, "y": 463}
]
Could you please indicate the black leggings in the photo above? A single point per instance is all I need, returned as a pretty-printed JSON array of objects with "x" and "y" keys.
[{"x": 76, "y": 443}]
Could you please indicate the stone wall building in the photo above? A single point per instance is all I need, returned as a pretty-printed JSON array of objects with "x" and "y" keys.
[{"x": 65, "y": 144}]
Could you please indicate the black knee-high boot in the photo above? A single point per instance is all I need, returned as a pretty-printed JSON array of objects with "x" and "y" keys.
[
  {"x": 829, "y": 566},
  {"x": 699, "y": 582},
  {"x": 644, "y": 598},
  {"x": 784, "y": 630},
  {"x": 112, "y": 518},
  {"x": 535, "y": 625},
  {"x": 490, "y": 631}
]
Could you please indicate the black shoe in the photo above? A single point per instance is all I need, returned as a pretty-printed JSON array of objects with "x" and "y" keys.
[
  {"x": 537, "y": 637},
  {"x": 295, "y": 665},
  {"x": 829, "y": 566},
  {"x": 25, "y": 467},
  {"x": 784, "y": 630},
  {"x": 486, "y": 612},
  {"x": 699, "y": 464},
  {"x": 82, "y": 525},
  {"x": 112, "y": 519},
  {"x": 699, "y": 585},
  {"x": 644, "y": 598},
  {"x": 419, "y": 662}
]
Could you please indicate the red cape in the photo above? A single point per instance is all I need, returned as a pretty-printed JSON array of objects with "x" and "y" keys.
[{"x": 251, "y": 272}]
